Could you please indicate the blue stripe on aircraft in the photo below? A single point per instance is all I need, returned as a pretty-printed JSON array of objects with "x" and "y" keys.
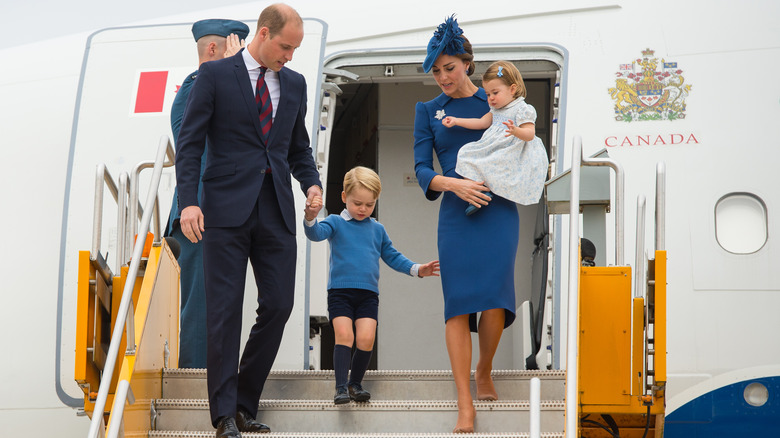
[{"x": 725, "y": 413}]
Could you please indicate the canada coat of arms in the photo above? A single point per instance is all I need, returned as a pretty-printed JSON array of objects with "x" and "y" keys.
[{"x": 644, "y": 92}]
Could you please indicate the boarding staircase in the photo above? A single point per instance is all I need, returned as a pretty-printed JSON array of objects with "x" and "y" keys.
[
  {"x": 147, "y": 396},
  {"x": 404, "y": 403}
]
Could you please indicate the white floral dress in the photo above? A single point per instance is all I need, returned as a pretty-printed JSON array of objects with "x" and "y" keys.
[{"x": 512, "y": 168}]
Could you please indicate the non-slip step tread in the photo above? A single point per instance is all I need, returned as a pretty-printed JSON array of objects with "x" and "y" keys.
[
  {"x": 210, "y": 434},
  {"x": 417, "y": 405},
  {"x": 383, "y": 384},
  {"x": 377, "y": 374},
  {"x": 379, "y": 416},
  {"x": 205, "y": 434}
]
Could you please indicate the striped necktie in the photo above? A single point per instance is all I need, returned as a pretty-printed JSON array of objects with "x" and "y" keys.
[{"x": 264, "y": 106}]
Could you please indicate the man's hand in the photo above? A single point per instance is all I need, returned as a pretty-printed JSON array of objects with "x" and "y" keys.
[
  {"x": 233, "y": 45},
  {"x": 191, "y": 223},
  {"x": 313, "y": 202},
  {"x": 312, "y": 192}
]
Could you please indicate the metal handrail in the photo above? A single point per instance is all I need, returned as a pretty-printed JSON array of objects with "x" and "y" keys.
[
  {"x": 121, "y": 193},
  {"x": 573, "y": 316},
  {"x": 640, "y": 281},
  {"x": 127, "y": 293},
  {"x": 660, "y": 245},
  {"x": 620, "y": 183},
  {"x": 639, "y": 257},
  {"x": 535, "y": 409},
  {"x": 102, "y": 179},
  {"x": 572, "y": 352},
  {"x": 660, "y": 206},
  {"x": 123, "y": 392},
  {"x": 121, "y": 219},
  {"x": 135, "y": 209}
]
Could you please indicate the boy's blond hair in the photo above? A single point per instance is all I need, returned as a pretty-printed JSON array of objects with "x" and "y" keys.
[
  {"x": 360, "y": 176},
  {"x": 510, "y": 75}
]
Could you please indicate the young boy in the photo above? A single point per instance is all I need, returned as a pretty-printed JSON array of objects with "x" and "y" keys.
[{"x": 357, "y": 241}]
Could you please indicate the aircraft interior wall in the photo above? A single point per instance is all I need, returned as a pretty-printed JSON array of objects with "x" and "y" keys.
[{"x": 374, "y": 127}]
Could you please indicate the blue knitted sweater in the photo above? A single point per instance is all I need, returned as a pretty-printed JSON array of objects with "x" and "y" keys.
[{"x": 355, "y": 250}]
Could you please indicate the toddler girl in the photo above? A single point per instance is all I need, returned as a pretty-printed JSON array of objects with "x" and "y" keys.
[{"x": 509, "y": 158}]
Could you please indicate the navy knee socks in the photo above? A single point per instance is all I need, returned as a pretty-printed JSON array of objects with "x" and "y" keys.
[
  {"x": 341, "y": 356},
  {"x": 341, "y": 364},
  {"x": 359, "y": 365}
]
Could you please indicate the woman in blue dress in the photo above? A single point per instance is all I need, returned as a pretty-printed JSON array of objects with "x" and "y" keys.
[{"x": 477, "y": 253}]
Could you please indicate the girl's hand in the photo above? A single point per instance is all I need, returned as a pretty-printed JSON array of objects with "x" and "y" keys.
[
  {"x": 448, "y": 121},
  {"x": 525, "y": 132},
  {"x": 430, "y": 269},
  {"x": 470, "y": 191},
  {"x": 313, "y": 208},
  {"x": 510, "y": 128}
]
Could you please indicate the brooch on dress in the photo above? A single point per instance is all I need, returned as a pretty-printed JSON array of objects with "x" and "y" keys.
[{"x": 439, "y": 114}]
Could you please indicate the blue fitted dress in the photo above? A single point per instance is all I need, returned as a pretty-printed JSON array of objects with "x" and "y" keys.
[{"x": 477, "y": 252}]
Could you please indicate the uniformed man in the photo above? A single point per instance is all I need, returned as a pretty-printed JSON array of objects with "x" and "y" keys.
[{"x": 216, "y": 39}]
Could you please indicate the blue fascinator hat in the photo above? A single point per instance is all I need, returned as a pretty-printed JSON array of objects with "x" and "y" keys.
[{"x": 447, "y": 39}]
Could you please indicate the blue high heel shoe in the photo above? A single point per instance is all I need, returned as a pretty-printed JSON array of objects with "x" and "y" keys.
[{"x": 472, "y": 209}]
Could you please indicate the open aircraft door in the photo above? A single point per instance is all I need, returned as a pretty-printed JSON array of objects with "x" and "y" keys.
[
  {"x": 129, "y": 79},
  {"x": 318, "y": 255}
]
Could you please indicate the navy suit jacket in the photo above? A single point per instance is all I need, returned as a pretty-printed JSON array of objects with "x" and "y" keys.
[{"x": 222, "y": 108}]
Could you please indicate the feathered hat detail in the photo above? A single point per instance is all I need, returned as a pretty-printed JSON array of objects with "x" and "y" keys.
[{"x": 447, "y": 39}]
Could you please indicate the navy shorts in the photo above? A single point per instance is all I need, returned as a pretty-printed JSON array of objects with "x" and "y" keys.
[{"x": 353, "y": 303}]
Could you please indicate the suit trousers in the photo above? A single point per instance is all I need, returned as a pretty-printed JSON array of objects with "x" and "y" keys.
[{"x": 265, "y": 241}]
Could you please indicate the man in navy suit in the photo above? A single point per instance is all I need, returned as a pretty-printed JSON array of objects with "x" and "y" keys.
[{"x": 246, "y": 211}]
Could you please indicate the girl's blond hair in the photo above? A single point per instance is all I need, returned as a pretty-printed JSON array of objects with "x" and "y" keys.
[{"x": 509, "y": 74}]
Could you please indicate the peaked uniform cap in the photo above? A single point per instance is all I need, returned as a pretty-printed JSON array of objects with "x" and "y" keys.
[{"x": 220, "y": 27}]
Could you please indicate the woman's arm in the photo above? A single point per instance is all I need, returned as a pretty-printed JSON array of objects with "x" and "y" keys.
[{"x": 430, "y": 181}]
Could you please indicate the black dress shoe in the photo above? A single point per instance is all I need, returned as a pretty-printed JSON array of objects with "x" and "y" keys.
[
  {"x": 226, "y": 428},
  {"x": 357, "y": 393},
  {"x": 246, "y": 423},
  {"x": 342, "y": 396}
]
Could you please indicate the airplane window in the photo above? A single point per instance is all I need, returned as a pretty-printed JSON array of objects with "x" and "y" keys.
[
  {"x": 741, "y": 223},
  {"x": 756, "y": 394}
]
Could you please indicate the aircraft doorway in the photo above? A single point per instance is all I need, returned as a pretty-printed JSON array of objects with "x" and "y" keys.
[{"x": 373, "y": 127}]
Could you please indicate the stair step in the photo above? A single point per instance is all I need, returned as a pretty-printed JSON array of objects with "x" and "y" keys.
[
  {"x": 385, "y": 384},
  {"x": 210, "y": 434},
  {"x": 380, "y": 416}
]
